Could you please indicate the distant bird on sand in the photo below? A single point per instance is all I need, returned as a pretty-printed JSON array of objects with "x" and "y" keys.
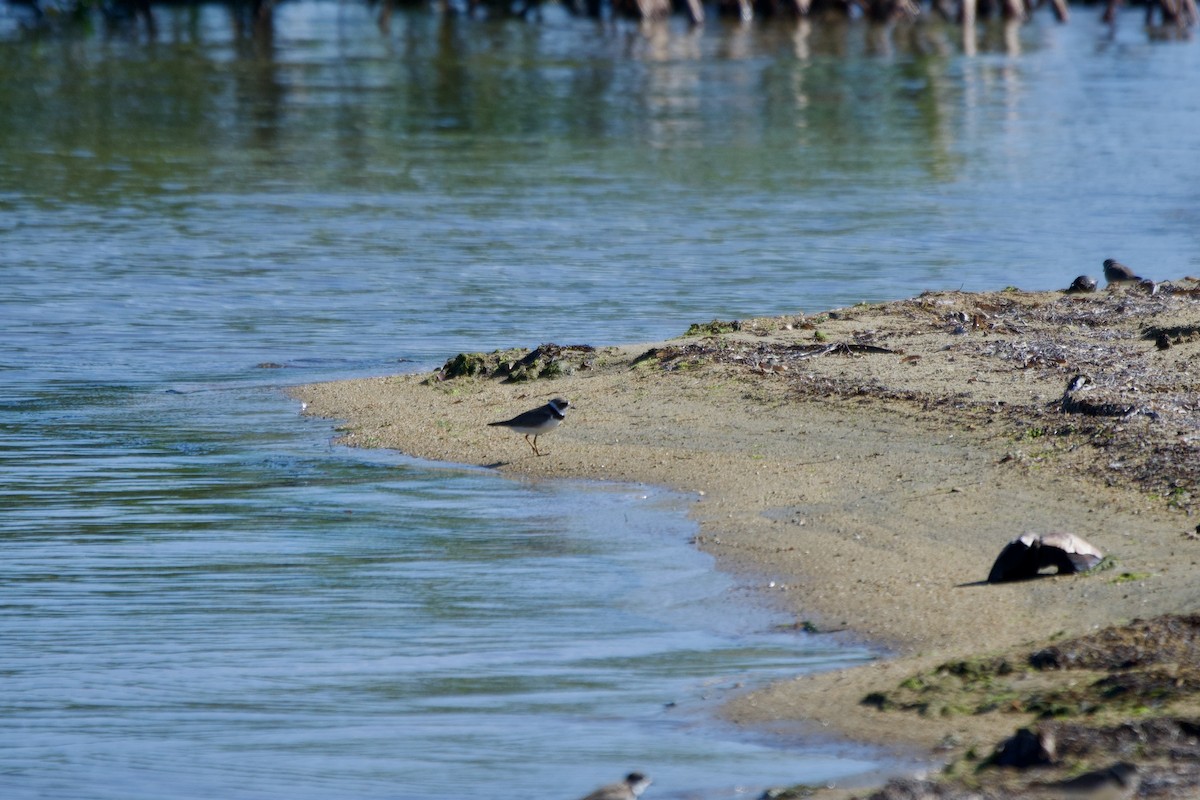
[
  {"x": 538, "y": 421},
  {"x": 1028, "y": 554},
  {"x": 1116, "y": 272},
  {"x": 629, "y": 789}
]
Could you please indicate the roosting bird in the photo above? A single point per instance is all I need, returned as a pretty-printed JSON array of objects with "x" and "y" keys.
[
  {"x": 629, "y": 789},
  {"x": 538, "y": 421},
  {"x": 1028, "y": 554}
]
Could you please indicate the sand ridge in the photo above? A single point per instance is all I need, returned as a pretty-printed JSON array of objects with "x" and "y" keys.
[{"x": 874, "y": 484}]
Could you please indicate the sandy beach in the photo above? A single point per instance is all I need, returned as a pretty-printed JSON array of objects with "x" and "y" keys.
[{"x": 863, "y": 467}]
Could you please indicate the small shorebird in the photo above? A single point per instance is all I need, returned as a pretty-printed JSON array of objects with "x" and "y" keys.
[
  {"x": 1116, "y": 272},
  {"x": 629, "y": 789},
  {"x": 538, "y": 421}
]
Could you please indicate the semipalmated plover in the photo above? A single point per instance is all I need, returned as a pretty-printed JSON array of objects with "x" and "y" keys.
[
  {"x": 629, "y": 789},
  {"x": 538, "y": 421},
  {"x": 1116, "y": 272}
]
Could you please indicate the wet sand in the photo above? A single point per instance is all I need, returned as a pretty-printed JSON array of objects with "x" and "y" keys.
[{"x": 870, "y": 463}]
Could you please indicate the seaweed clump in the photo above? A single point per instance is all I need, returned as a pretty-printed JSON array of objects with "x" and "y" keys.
[
  {"x": 518, "y": 364},
  {"x": 1118, "y": 704},
  {"x": 1145, "y": 665}
]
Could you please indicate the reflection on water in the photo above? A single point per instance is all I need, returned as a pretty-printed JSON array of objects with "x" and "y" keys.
[
  {"x": 203, "y": 598},
  {"x": 839, "y": 161}
]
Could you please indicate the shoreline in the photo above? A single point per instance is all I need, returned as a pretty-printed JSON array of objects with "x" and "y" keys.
[{"x": 872, "y": 462}]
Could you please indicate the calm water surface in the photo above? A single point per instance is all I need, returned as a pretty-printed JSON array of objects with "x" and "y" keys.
[{"x": 203, "y": 598}]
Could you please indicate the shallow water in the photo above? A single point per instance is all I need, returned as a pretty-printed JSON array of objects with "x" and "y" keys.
[{"x": 203, "y": 597}]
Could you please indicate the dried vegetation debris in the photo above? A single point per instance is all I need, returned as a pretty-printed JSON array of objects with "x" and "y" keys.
[
  {"x": 1174, "y": 638},
  {"x": 761, "y": 357},
  {"x": 1154, "y": 758},
  {"x": 1172, "y": 738},
  {"x": 1146, "y": 673},
  {"x": 1113, "y": 372}
]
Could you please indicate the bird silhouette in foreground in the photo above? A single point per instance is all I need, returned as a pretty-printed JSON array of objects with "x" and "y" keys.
[
  {"x": 629, "y": 789},
  {"x": 1028, "y": 554},
  {"x": 538, "y": 421}
]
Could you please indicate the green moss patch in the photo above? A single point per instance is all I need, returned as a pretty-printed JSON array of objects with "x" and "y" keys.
[
  {"x": 1142, "y": 667},
  {"x": 517, "y": 365},
  {"x": 714, "y": 328}
]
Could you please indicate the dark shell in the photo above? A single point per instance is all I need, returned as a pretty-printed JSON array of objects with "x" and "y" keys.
[{"x": 1084, "y": 283}]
